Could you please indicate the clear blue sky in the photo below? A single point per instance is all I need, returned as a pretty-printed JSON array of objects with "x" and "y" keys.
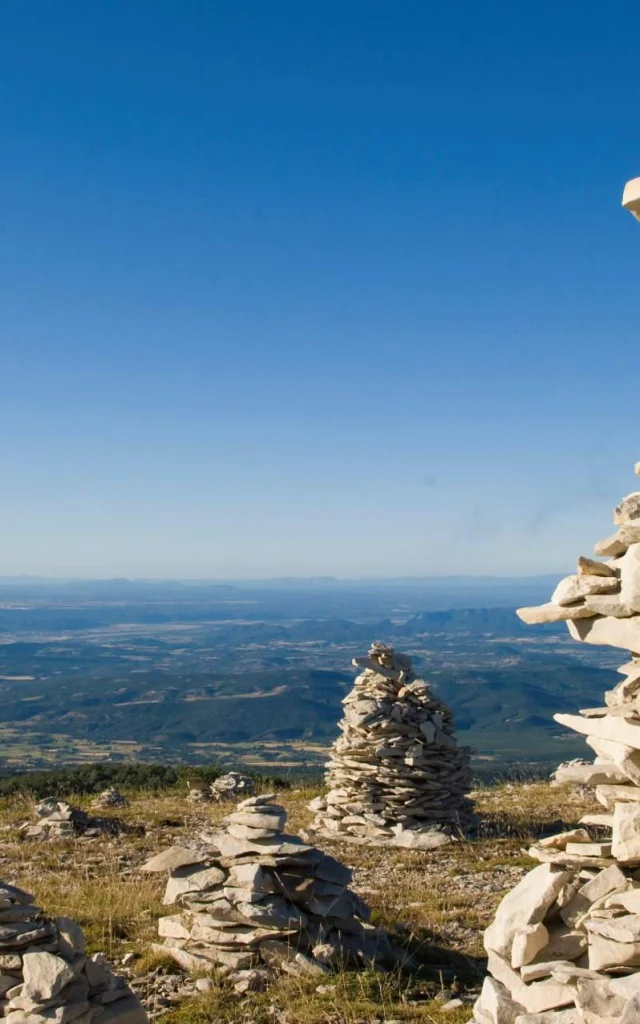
[{"x": 301, "y": 287}]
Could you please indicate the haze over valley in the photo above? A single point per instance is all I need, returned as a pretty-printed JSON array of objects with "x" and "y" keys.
[{"x": 253, "y": 673}]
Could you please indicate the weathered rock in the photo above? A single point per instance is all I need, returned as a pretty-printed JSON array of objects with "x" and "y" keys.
[
  {"x": 254, "y": 898},
  {"x": 49, "y": 980},
  {"x": 590, "y": 567},
  {"x": 606, "y": 630},
  {"x": 526, "y": 904},
  {"x": 626, "y": 833},
  {"x": 575, "y": 588},
  {"x": 396, "y": 776},
  {"x": 554, "y": 613}
]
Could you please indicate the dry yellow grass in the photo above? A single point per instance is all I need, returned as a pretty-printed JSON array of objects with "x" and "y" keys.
[{"x": 436, "y": 904}]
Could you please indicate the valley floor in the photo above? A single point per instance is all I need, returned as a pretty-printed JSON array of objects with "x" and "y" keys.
[{"x": 436, "y": 904}]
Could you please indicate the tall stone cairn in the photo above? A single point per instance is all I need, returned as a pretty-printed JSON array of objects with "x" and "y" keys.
[
  {"x": 396, "y": 775},
  {"x": 45, "y": 975},
  {"x": 565, "y": 943}
]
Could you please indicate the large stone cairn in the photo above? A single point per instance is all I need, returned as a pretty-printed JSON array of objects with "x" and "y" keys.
[
  {"x": 251, "y": 897},
  {"x": 396, "y": 775},
  {"x": 45, "y": 976},
  {"x": 565, "y": 943}
]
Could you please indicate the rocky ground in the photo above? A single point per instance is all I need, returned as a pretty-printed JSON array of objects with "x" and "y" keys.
[{"x": 436, "y": 904}]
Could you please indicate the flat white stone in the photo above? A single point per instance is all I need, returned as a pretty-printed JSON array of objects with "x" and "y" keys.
[
  {"x": 526, "y": 904},
  {"x": 553, "y": 613},
  {"x": 590, "y": 849},
  {"x": 622, "y": 730},
  {"x": 527, "y": 943},
  {"x": 176, "y": 857},
  {"x": 568, "y": 1016},
  {"x": 605, "y": 954},
  {"x": 626, "y": 758},
  {"x": 497, "y": 1003},
  {"x": 619, "y": 929},
  {"x": 603, "y": 883},
  {"x": 560, "y": 840},
  {"x": 608, "y": 631},
  {"x": 626, "y": 833},
  {"x": 192, "y": 879},
  {"x": 45, "y": 975},
  {"x": 591, "y": 567},
  {"x": 575, "y": 588},
  {"x": 627, "y": 513},
  {"x": 597, "y": 1000},
  {"x": 611, "y": 546},
  {"x": 631, "y": 1012}
]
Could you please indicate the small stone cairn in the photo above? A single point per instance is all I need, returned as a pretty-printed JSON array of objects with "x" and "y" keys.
[
  {"x": 252, "y": 898},
  {"x": 59, "y": 820},
  {"x": 232, "y": 786},
  {"x": 109, "y": 799},
  {"x": 564, "y": 947},
  {"x": 45, "y": 976},
  {"x": 396, "y": 776}
]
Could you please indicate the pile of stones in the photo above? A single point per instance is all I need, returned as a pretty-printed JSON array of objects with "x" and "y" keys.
[
  {"x": 59, "y": 820},
  {"x": 396, "y": 775},
  {"x": 108, "y": 799},
  {"x": 565, "y": 943},
  {"x": 199, "y": 792},
  {"x": 45, "y": 975},
  {"x": 252, "y": 898},
  {"x": 233, "y": 786}
]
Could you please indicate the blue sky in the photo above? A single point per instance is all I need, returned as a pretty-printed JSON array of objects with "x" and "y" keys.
[{"x": 300, "y": 288}]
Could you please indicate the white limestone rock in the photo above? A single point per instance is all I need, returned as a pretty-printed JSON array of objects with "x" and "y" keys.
[
  {"x": 626, "y": 833},
  {"x": 591, "y": 567},
  {"x": 627, "y": 513},
  {"x": 612, "y": 546},
  {"x": 527, "y": 943},
  {"x": 606, "y": 630},
  {"x": 526, "y": 904},
  {"x": 553, "y": 613},
  {"x": 621, "y": 730},
  {"x": 45, "y": 975},
  {"x": 575, "y": 588}
]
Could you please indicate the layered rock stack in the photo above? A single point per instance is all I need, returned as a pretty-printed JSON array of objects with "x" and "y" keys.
[
  {"x": 233, "y": 787},
  {"x": 396, "y": 775},
  {"x": 45, "y": 975},
  {"x": 56, "y": 819},
  {"x": 565, "y": 943},
  {"x": 251, "y": 897}
]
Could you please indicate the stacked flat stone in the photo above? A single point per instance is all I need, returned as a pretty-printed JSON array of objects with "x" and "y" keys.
[
  {"x": 59, "y": 820},
  {"x": 565, "y": 943},
  {"x": 45, "y": 976},
  {"x": 396, "y": 775},
  {"x": 251, "y": 896},
  {"x": 232, "y": 786},
  {"x": 199, "y": 792}
]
